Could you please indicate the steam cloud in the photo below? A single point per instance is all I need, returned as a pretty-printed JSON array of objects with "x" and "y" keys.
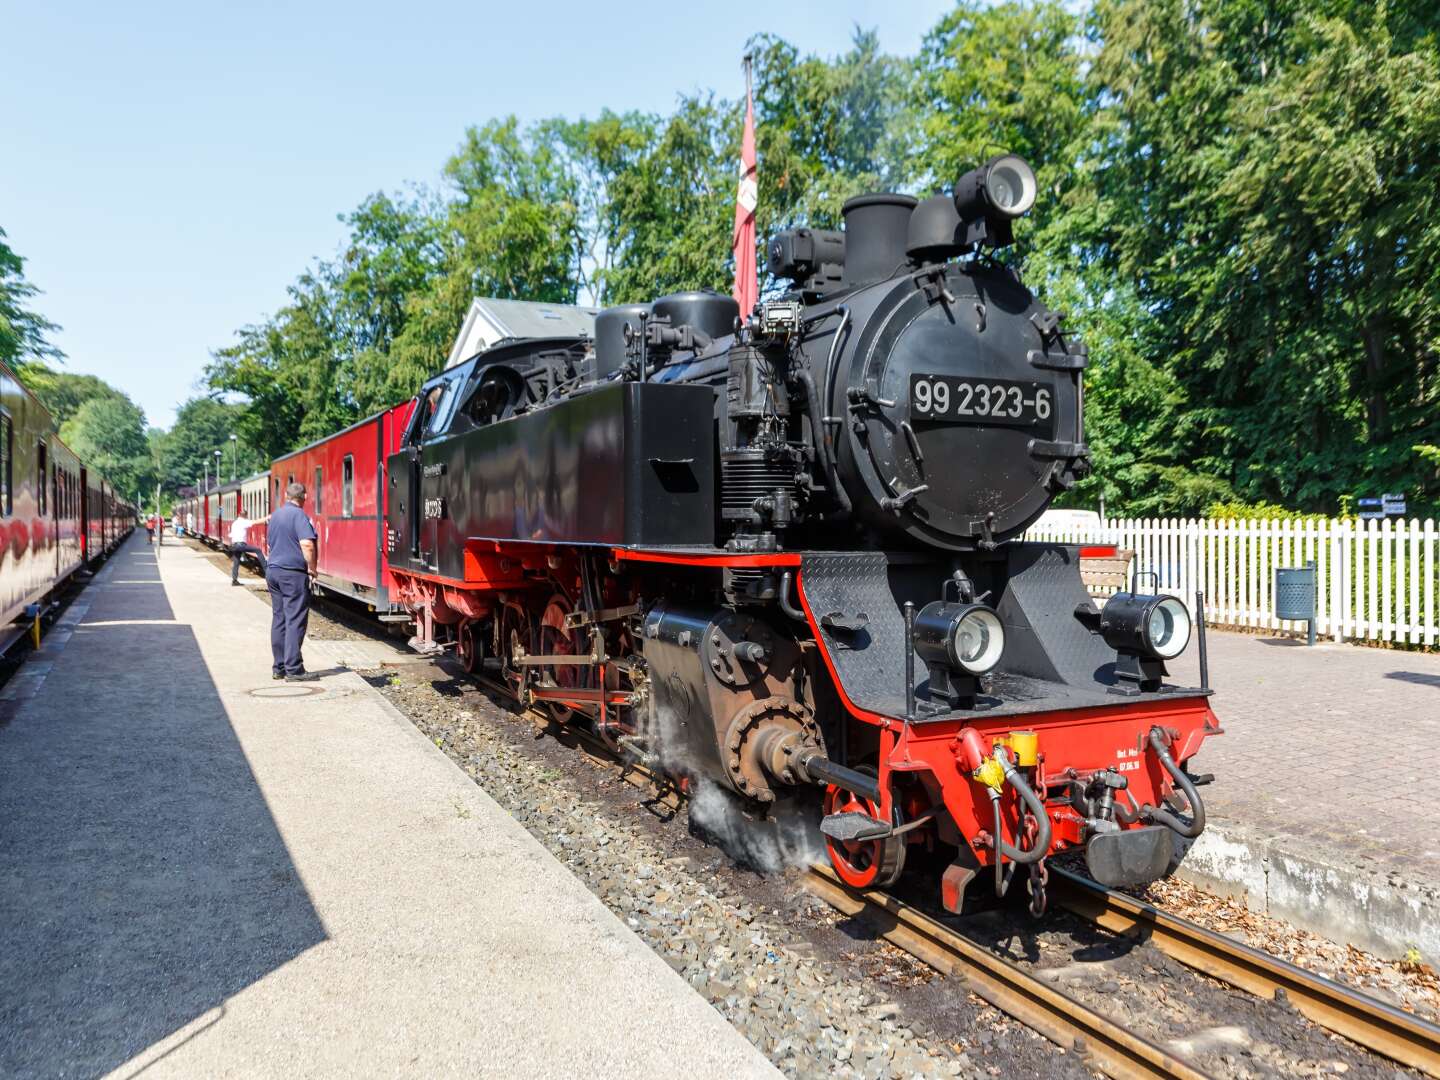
[{"x": 788, "y": 835}]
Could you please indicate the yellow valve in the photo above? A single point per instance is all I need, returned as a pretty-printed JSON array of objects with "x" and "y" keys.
[
  {"x": 1025, "y": 745},
  {"x": 991, "y": 774}
]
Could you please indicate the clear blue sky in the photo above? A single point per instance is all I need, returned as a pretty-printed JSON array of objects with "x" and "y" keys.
[{"x": 168, "y": 168}]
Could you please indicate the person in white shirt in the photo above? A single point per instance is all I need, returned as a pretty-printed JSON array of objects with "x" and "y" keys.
[{"x": 239, "y": 546}]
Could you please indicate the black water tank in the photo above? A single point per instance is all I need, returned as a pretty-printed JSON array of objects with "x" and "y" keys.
[
  {"x": 876, "y": 229},
  {"x": 610, "y": 336},
  {"x": 709, "y": 312}
]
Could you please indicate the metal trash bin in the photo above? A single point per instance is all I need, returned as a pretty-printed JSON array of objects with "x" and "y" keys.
[{"x": 1295, "y": 596}]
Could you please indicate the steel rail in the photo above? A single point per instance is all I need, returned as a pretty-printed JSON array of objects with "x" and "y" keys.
[
  {"x": 1376, "y": 1025},
  {"x": 1100, "y": 1042}
]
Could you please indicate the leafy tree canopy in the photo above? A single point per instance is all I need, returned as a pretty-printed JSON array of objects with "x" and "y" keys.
[
  {"x": 109, "y": 433},
  {"x": 23, "y": 332},
  {"x": 203, "y": 426},
  {"x": 1239, "y": 213}
]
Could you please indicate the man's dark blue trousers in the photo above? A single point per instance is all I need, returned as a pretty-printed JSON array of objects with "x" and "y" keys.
[{"x": 289, "y": 615}]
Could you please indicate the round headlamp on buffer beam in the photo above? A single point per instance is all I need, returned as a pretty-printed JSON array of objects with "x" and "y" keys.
[
  {"x": 1145, "y": 631},
  {"x": 959, "y": 642}
]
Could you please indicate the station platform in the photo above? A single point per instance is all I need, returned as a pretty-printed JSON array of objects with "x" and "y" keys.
[
  {"x": 1323, "y": 811},
  {"x": 207, "y": 873}
]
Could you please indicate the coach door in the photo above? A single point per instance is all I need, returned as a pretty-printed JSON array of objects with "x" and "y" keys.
[
  {"x": 433, "y": 412},
  {"x": 409, "y": 519}
]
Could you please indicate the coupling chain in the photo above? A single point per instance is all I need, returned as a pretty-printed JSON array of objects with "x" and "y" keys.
[{"x": 1039, "y": 871}]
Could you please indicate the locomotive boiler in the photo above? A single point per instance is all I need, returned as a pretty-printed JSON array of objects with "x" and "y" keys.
[{"x": 776, "y": 551}]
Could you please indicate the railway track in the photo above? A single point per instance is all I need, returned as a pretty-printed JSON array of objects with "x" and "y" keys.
[
  {"x": 1364, "y": 1020},
  {"x": 1099, "y": 1041},
  {"x": 1109, "y": 1047}
]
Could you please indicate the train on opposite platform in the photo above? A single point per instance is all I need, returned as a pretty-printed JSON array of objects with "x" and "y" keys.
[
  {"x": 58, "y": 513},
  {"x": 778, "y": 551}
]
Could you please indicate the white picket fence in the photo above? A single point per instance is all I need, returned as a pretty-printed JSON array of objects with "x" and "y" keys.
[{"x": 1376, "y": 580}]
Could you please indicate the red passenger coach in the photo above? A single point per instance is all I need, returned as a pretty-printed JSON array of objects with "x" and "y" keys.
[
  {"x": 344, "y": 475},
  {"x": 55, "y": 513}
]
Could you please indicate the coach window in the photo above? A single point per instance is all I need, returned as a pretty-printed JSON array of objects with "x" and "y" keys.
[
  {"x": 7, "y": 457},
  {"x": 41, "y": 473},
  {"x": 319, "y": 492},
  {"x": 347, "y": 485}
]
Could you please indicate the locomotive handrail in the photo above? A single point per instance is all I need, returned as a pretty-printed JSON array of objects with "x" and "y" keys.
[
  {"x": 787, "y": 581},
  {"x": 833, "y": 486},
  {"x": 826, "y": 419}
]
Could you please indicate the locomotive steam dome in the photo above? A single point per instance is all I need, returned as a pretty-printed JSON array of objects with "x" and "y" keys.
[
  {"x": 610, "y": 343},
  {"x": 707, "y": 311},
  {"x": 960, "y": 396}
]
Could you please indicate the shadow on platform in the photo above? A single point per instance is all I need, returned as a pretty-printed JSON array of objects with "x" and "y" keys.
[
  {"x": 1419, "y": 678},
  {"x": 142, "y": 878}
]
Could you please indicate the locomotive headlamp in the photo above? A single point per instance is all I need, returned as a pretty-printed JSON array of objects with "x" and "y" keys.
[
  {"x": 958, "y": 642},
  {"x": 1145, "y": 631},
  {"x": 1003, "y": 187}
]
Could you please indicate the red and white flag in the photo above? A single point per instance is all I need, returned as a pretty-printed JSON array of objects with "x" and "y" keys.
[{"x": 747, "y": 288}]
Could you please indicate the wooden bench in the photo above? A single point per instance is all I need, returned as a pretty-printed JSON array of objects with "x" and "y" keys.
[{"x": 1105, "y": 570}]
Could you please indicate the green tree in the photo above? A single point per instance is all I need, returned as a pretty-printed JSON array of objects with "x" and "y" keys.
[
  {"x": 63, "y": 392},
  {"x": 508, "y": 231},
  {"x": 202, "y": 426},
  {"x": 1267, "y": 180},
  {"x": 23, "y": 333},
  {"x": 289, "y": 371},
  {"x": 826, "y": 129},
  {"x": 592, "y": 155},
  {"x": 109, "y": 434},
  {"x": 672, "y": 212}
]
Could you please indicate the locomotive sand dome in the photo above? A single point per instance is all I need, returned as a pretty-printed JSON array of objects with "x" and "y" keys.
[{"x": 774, "y": 551}]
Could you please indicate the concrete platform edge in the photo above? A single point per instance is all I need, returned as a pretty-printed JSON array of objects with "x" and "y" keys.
[{"x": 1354, "y": 905}]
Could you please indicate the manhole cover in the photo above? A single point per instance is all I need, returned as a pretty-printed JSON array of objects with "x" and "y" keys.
[{"x": 287, "y": 691}]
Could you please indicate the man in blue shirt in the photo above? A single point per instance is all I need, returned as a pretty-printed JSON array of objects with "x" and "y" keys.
[{"x": 288, "y": 574}]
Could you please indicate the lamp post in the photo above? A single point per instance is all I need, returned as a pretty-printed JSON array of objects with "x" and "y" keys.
[
  {"x": 206, "y": 463},
  {"x": 234, "y": 451}
]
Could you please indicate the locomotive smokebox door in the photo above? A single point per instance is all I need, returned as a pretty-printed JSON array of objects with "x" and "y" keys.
[{"x": 962, "y": 425}]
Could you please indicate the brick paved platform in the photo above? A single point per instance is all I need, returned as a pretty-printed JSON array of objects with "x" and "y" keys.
[{"x": 1323, "y": 809}]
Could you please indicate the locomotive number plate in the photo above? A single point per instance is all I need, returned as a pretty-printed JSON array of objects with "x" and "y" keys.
[{"x": 1010, "y": 402}]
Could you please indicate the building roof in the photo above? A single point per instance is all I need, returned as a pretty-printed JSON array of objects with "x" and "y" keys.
[{"x": 491, "y": 321}]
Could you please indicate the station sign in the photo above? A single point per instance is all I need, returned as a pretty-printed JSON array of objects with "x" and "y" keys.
[{"x": 1375, "y": 509}]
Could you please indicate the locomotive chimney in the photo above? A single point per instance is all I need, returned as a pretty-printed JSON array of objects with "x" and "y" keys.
[{"x": 876, "y": 229}]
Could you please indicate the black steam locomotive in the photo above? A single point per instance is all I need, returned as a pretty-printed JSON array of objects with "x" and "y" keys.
[{"x": 775, "y": 549}]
